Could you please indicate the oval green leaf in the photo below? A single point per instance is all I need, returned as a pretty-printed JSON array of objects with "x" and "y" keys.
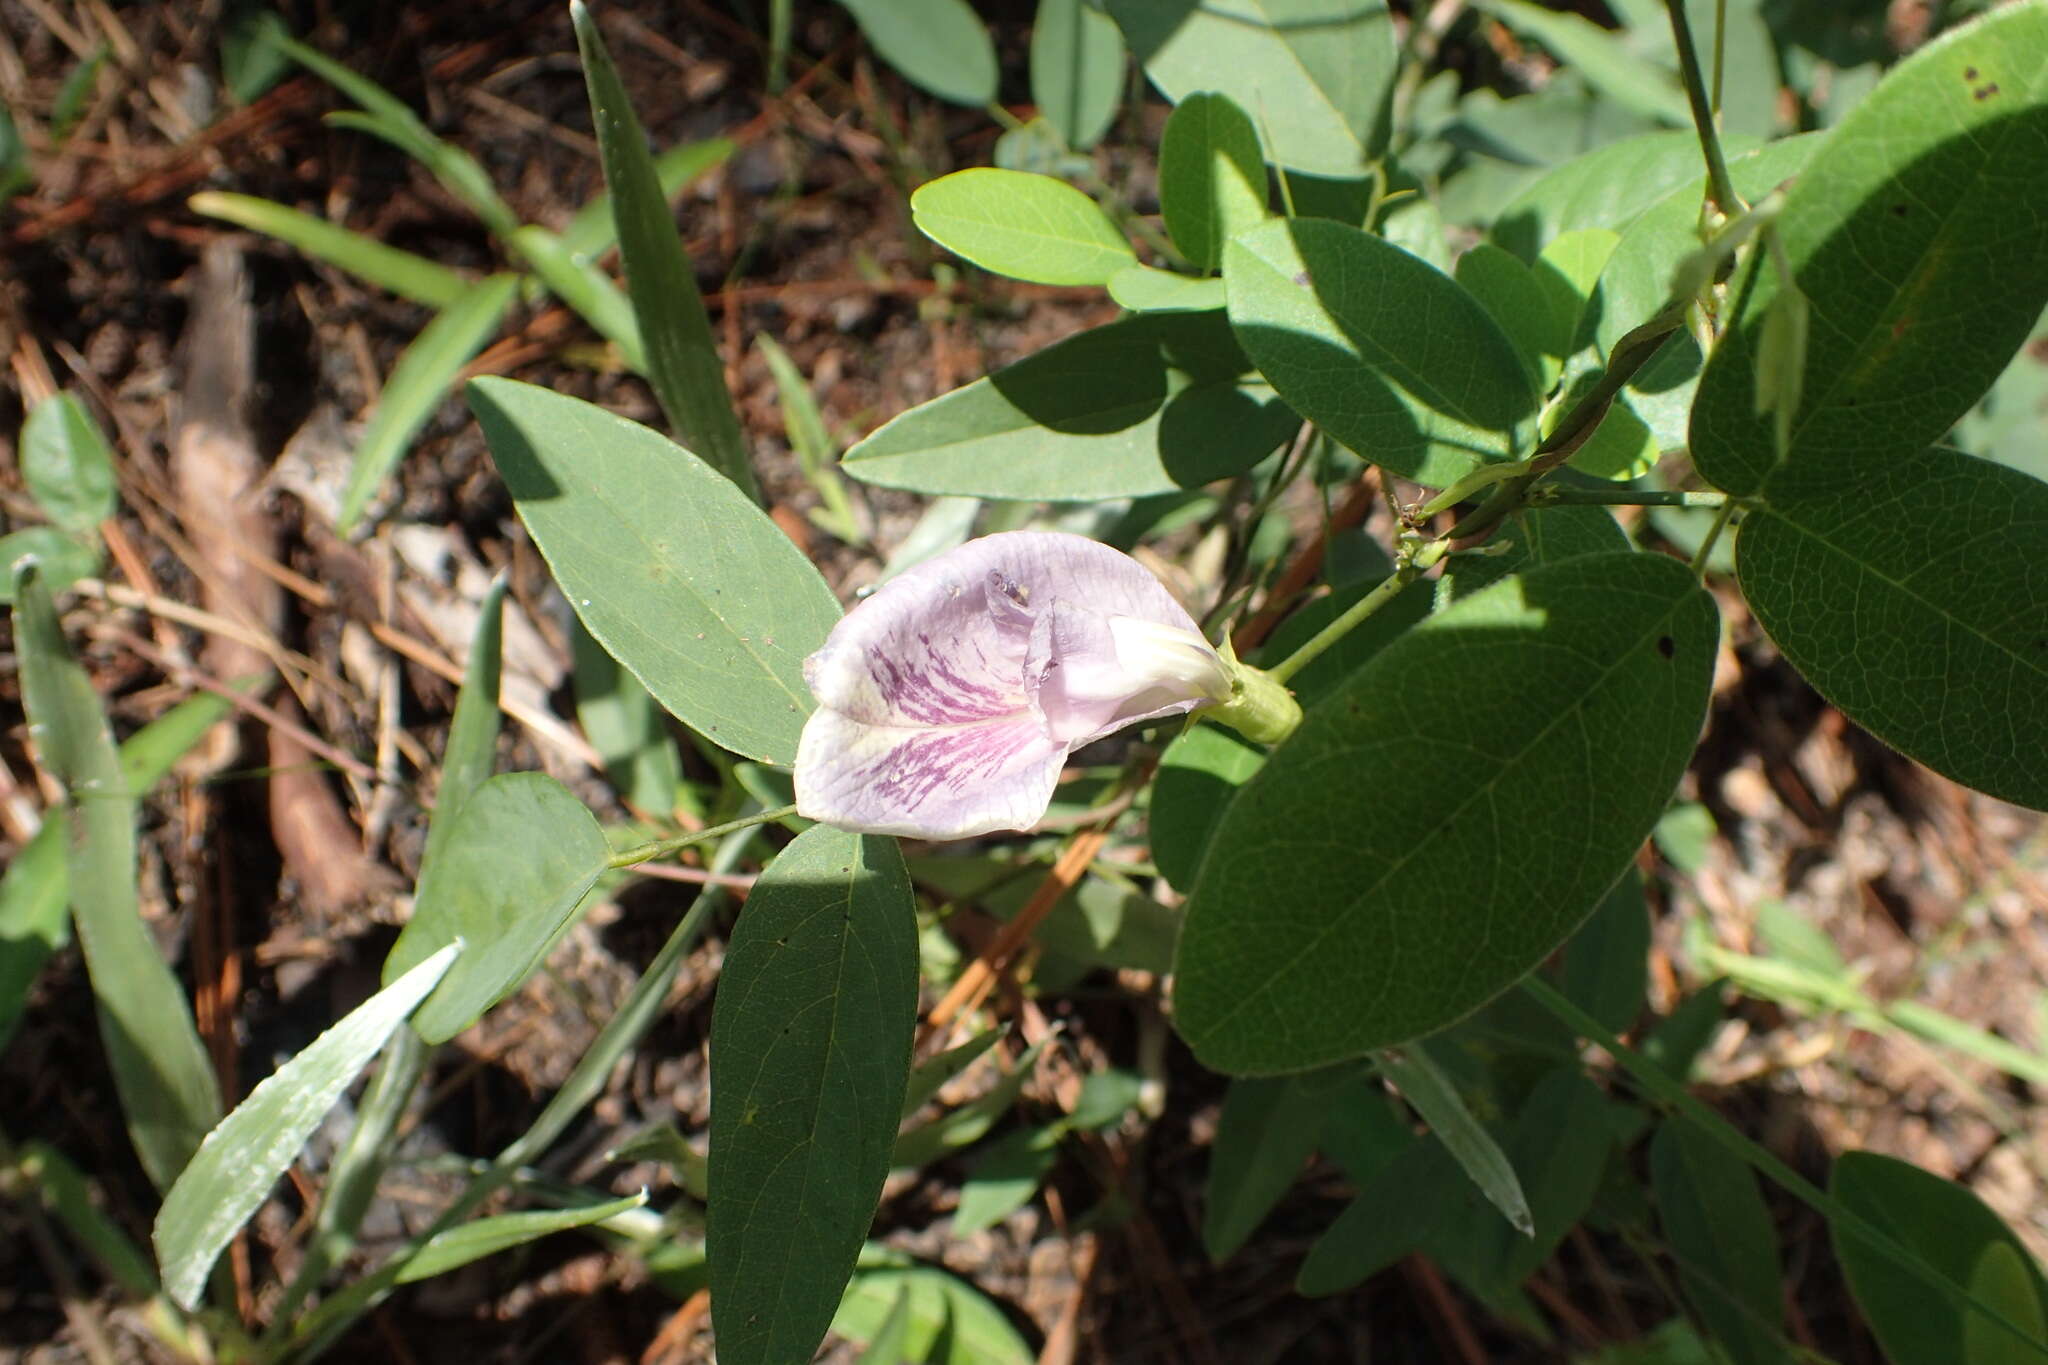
[
  {"x": 1914, "y": 597},
  {"x": 674, "y": 570},
  {"x": 1112, "y": 412},
  {"x": 1025, "y": 226},
  {"x": 519, "y": 860},
  {"x": 810, "y": 1058},
  {"x": 1077, "y": 69},
  {"x": 1447, "y": 817},
  {"x": 1212, "y": 177},
  {"x": 240, "y": 1160},
  {"x": 1906, "y": 233},
  {"x": 1604, "y": 188},
  {"x": 1147, "y": 289},
  {"x": 940, "y": 46},
  {"x": 66, "y": 464},
  {"x": 1318, "y": 74},
  {"x": 1382, "y": 350},
  {"x": 1948, "y": 1229}
]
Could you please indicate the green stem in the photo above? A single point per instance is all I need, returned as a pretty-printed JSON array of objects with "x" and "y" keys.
[
  {"x": 1411, "y": 566},
  {"x": 1720, "y": 187},
  {"x": 662, "y": 848},
  {"x": 1700, "y": 556},
  {"x": 1655, "y": 1082},
  {"x": 1571, "y": 495}
]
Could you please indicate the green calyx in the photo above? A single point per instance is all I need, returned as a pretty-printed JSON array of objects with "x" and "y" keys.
[{"x": 1260, "y": 706}]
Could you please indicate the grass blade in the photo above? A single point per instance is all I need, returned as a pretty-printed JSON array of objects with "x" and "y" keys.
[
  {"x": 418, "y": 383},
  {"x": 401, "y": 272},
  {"x": 682, "y": 360},
  {"x": 166, "y": 1085}
]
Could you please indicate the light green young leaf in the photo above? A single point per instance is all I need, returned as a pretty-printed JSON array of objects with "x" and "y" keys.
[
  {"x": 467, "y": 1242},
  {"x": 1317, "y": 75},
  {"x": 417, "y": 385},
  {"x": 1903, "y": 233},
  {"x": 67, "y": 465},
  {"x": 1950, "y": 1230},
  {"x": 940, "y": 46},
  {"x": 585, "y": 288},
  {"x": 387, "y": 267},
  {"x": 891, "y": 1342},
  {"x": 472, "y": 749},
  {"x": 168, "y": 1094},
  {"x": 521, "y": 856},
  {"x": 1146, "y": 289},
  {"x": 1025, "y": 226},
  {"x": 810, "y": 1054},
  {"x": 945, "y": 1311},
  {"x": 683, "y": 363},
  {"x": 1910, "y": 591},
  {"x": 1442, "y": 902},
  {"x": 679, "y": 575},
  {"x": 1382, "y": 350},
  {"x": 240, "y": 1160},
  {"x": 1077, "y": 69},
  {"x": 389, "y": 118},
  {"x": 1212, "y": 177},
  {"x": 62, "y": 559}
]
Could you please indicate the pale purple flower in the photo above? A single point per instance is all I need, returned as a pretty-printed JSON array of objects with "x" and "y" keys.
[{"x": 949, "y": 701}]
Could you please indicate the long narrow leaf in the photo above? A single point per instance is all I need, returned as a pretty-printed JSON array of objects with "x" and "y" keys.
[
  {"x": 592, "y": 232},
  {"x": 418, "y": 383},
  {"x": 584, "y": 288},
  {"x": 1434, "y": 1097},
  {"x": 682, "y": 360},
  {"x": 241, "y": 1159},
  {"x": 458, "y": 1246},
  {"x": 161, "y": 1072},
  {"x": 35, "y": 888},
  {"x": 404, "y": 274},
  {"x": 473, "y": 733}
]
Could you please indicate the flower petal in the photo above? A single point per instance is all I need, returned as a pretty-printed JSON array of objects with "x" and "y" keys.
[{"x": 943, "y": 782}]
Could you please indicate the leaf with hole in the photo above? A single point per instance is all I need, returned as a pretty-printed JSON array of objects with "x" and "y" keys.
[
  {"x": 1913, "y": 235},
  {"x": 1345, "y": 906}
]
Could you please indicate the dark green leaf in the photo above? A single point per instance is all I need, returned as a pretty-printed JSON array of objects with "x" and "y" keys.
[
  {"x": 161, "y": 1071},
  {"x": 1346, "y": 905},
  {"x": 2007, "y": 425},
  {"x": 1721, "y": 1236},
  {"x": 1198, "y": 774},
  {"x": 594, "y": 231},
  {"x": 1903, "y": 234},
  {"x": 1911, "y": 593},
  {"x": 1004, "y": 1175},
  {"x": 66, "y": 464},
  {"x": 233, "y": 1170},
  {"x": 1212, "y": 177},
  {"x": 1077, "y": 69},
  {"x": 250, "y": 62},
  {"x": 1542, "y": 535},
  {"x": 1318, "y": 74},
  {"x": 1268, "y": 1128},
  {"x": 1950, "y": 1231},
  {"x": 1679, "y": 1037},
  {"x": 472, "y": 749},
  {"x": 1432, "y": 1095},
  {"x": 1391, "y": 1216},
  {"x": 518, "y": 862},
  {"x": 938, "y": 45},
  {"x": 810, "y": 1055},
  {"x": 1606, "y": 963},
  {"x": 934, "y": 1072},
  {"x": 967, "y": 1125},
  {"x": 1382, "y": 350},
  {"x": 676, "y": 573},
  {"x": 683, "y": 364}
]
